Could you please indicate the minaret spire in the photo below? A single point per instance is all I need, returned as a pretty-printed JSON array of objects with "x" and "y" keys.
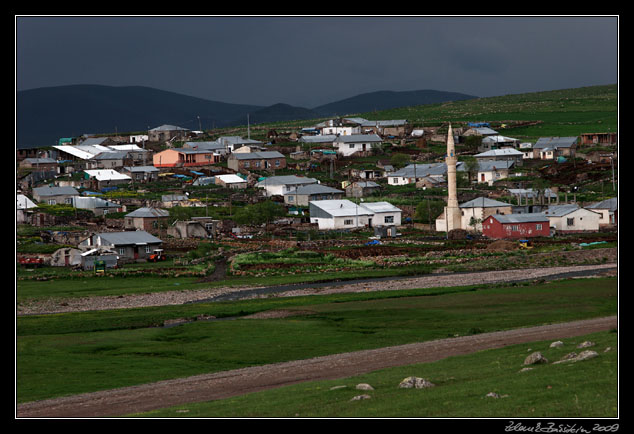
[{"x": 452, "y": 212}]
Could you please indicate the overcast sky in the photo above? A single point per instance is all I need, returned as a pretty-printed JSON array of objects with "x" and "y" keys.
[{"x": 309, "y": 61}]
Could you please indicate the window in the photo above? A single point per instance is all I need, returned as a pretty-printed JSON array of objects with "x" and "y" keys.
[
  {"x": 538, "y": 226},
  {"x": 52, "y": 202},
  {"x": 389, "y": 219},
  {"x": 515, "y": 228},
  {"x": 147, "y": 249},
  {"x": 571, "y": 221},
  {"x": 246, "y": 164},
  {"x": 257, "y": 164},
  {"x": 121, "y": 251},
  {"x": 348, "y": 222},
  {"x": 351, "y": 145},
  {"x": 291, "y": 198},
  {"x": 277, "y": 163}
]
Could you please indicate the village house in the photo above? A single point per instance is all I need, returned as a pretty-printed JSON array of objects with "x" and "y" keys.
[
  {"x": 97, "y": 205},
  {"x": 383, "y": 214},
  {"x": 165, "y": 133},
  {"x": 146, "y": 219},
  {"x": 54, "y": 195},
  {"x": 506, "y": 154},
  {"x": 356, "y": 144},
  {"x": 39, "y": 164},
  {"x": 570, "y": 218},
  {"x": 361, "y": 188},
  {"x": 491, "y": 171},
  {"x": 415, "y": 172},
  {"x": 516, "y": 226},
  {"x": 232, "y": 143},
  {"x": 214, "y": 147},
  {"x": 319, "y": 140},
  {"x": 490, "y": 143},
  {"x": 269, "y": 160},
  {"x": 482, "y": 131},
  {"x": 24, "y": 207},
  {"x": 197, "y": 227},
  {"x": 109, "y": 160},
  {"x": 548, "y": 148},
  {"x": 474, "y": 212},
  {"x": 104, "y": 178},
  {"x": 129, "y": 245},
  {"x": 141, "y": 173},
  {"x": 231, "y": 181},
  {"x": 344, "y": 214},
  {"x": 608, "y": 209},
  {"x": 280, "y": 185},
  {"x": 593, "y": 139},
  {"x": 339, "y": 214},
  {"x": 97, "y": 141},
  {"x": 303, "y": 194},
  {"x": 185, "y": 157}
]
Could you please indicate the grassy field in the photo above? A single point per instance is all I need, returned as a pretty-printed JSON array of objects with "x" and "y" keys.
[
  {"x": 66, "y": 354},
  {"x": 585, "y": 389}
]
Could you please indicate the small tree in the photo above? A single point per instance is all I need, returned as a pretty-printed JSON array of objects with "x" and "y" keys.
[
  {"x": 259, "y": 213},
  {"x": 399, "y": 159}
]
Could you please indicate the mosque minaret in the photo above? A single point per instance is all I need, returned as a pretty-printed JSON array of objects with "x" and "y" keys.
[{"x": 452, "y": 212}]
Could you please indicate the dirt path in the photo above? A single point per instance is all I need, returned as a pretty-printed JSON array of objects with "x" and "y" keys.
[
  {"x": 77, "y": 304},
  {"x": 120, "y": 402}
]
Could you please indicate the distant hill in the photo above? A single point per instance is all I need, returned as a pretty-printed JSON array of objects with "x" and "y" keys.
[
  {"x": 46, "y": 114},
  {"x": 383, "y": 100}
]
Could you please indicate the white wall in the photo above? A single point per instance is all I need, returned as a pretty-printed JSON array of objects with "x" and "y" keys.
[{"x": 583, "y": 220}]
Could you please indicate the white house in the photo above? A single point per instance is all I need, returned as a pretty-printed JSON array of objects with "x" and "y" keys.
[
  {"x": 348, "y": 145},
  {"x": 385, "y": 214},
  {"x": 491, "y": 171},
  {"x": 416, "y": 172},
  {"x": 280, "y": 185},
  {"x": 608, "y": 209},
  {"x": 344, "y": 214},
  {"x": 230, "y": 181},
  {"x": 570, "y": 218},
  {"x": 474, "y": 212}
]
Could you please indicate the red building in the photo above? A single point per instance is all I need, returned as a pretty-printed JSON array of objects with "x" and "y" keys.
[{"x": 516, "y": 226}]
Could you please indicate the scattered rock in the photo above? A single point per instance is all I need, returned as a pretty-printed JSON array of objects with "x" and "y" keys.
[
  {"x": 585, "y": 344},
  {"x": 535, "y": 358},
  {"x": 338, "y": 387},
  {"x": 585, "y": 355},
  {"x": 415, "y": 382},
  {"x": 574, "y": 357},
  {"x": 526, "y": 369},
  {"x": 557, "y": 344},
  {"x": 495, "y": 395},
  {"x": 364, "y": 386},
  {"x": 360, "y": 397}
]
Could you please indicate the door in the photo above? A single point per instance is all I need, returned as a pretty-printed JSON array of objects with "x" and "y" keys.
[{"x": 136, "y": 252}]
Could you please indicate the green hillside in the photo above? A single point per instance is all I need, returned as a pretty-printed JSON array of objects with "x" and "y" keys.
[{"x": 567, "y": 112}]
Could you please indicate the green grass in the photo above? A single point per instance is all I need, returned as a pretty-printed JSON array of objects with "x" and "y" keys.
[
  {"x": 584, "y": 389},
  {"x": 64, "y": 354}
]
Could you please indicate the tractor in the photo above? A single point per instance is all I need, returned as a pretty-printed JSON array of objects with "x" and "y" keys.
[{"x": 158, "y": 255}]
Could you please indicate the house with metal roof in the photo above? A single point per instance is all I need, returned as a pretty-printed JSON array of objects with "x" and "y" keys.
[
  {"x": 339, "y": 214},
  {"x": 344, "y": 214},
  {"x": 166, "y": 132},
  {"x": 303, "y": 194},
  {"x": 571, "y": 218},
  {"x": 232, "y": 143},
  {"x": 54, "y": 195},
  {"x": 474, "y": 212},
  {"x": 491, "y": 171},
  {"x": 547, "y": 148},
  {"x": 608, "y": 209},
  {"x": 356, "y": 143},
  {"x": 267, "y": 160},
  {"x": 415, "y": 172},
  {"x": 103, "y": 178},
  {"x": 498, "y": 142},
  {"x": 516, "y": 226},
  {"x": 230, "y": 180},
  {"x": 280, "y": 185},
  {"x": 129, "y": 245},
  {"x": 185, "y": 157},
  {"x": 146, "y": 219},
  {"x": 97, "y": 205}
]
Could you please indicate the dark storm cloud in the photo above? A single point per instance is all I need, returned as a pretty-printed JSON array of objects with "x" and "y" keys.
[{"x": 309, "y": 61}]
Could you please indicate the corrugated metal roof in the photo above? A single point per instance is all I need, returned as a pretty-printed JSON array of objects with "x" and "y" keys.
[
  {"x": 520, "y": 218},
  {"x": 286, "y": 180},
  {"x": 106, "y": 175},
  {"x": 483, "y": 202},
  {"x": 149, "y": 212},
  {"x": 313, "y": 189},
  {"x": 55, "y": 191},
  {"x": 610, "y": 204},
  {"x": 380, "y": 207},
  {"x": 358, "y": 138},
  {"x": 127, "y": 238},
  {"x": 554, "y": 142},
  {"x": 257, "y": 155},
  {"x": 340, "y": 207}
]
